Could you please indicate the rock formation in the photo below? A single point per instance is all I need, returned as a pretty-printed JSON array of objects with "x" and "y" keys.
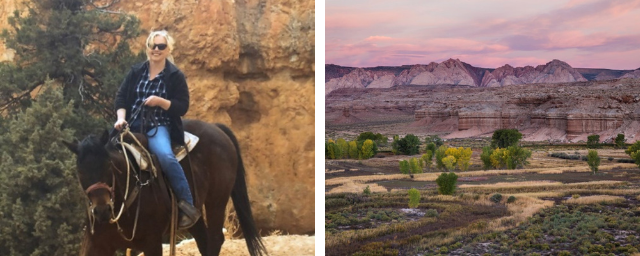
[
  {"x": 545, "y": 111},
  {"x": 249, "y": 64},
  {"x": 456, "y": 72}
]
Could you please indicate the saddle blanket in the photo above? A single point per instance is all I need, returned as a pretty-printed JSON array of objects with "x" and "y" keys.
[{"x": 180, "y": 152}]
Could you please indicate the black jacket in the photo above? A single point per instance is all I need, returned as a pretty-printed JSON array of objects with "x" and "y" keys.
[{"x": 177, "y": 93}]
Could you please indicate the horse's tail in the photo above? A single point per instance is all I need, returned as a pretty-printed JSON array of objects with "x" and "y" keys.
[{"x": 241, "y": 203}]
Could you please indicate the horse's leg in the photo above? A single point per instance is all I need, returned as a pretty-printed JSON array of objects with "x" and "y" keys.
[
  {"x": 199, "y": 233},
  {"x": 153, "y": 249},
  {"x": 215, "y": 237}
]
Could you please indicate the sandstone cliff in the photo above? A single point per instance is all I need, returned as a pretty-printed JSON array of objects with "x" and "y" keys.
[
  {"x": 546, "y": 111},
  {"x": 249, "y": 64}
]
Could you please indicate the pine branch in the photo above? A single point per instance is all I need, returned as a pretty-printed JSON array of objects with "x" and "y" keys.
[{"x": 12, "y": 100}]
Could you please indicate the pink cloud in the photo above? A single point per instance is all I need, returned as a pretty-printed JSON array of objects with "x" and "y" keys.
[
  {"x": 574, "y": 39},
  {"x": 378, "y": 38}
]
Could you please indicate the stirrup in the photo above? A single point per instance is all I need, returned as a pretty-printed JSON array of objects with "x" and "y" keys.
[{"x": 189, "y": 215}]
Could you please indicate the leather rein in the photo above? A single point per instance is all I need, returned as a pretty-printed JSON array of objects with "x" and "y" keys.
[{"x": 128, "y": 198}]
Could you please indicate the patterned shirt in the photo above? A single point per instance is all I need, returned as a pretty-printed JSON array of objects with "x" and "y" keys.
[{"x": 145, "y": 89}]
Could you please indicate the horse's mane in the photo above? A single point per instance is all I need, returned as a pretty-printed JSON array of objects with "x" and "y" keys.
[{"x": 91, "y": 146}]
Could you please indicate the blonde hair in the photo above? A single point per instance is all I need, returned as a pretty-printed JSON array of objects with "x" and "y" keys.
[{"x": 165, "y": 34}]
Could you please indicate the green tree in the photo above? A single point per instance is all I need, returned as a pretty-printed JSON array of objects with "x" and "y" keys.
[
  {"x": 593, "y": 160},
  {"x": 414, "y": 166},
  {"x": 367, "y": 191},
  {"x": 414, "y": 198},
  {"x": 427, "y": 159},
  {"x": 485, "y": 157},
  {"x": 447, "y": 183},
  {"x": 344, "y": 147},
  {"x": 517, "y": 157},
  {"x": 431, "y": 147},
  {"x": 405, "y": 168},
  {"x": 83, "y": 48},
  {"x": 504, "y": 138},
  {"x": 409, "y": 145},
  {"x": 332, "y": 150},
  {"x": 449, "y": 162},
  {"x": 593, "y": 141},
  {"x": 435, "y": 139},
  {"x": 394, "y": 145},
  {"x": 353, "y": 150},
  {"x": 367, "y": 149},
  {"x": 440, "y": 154},
  {"x": 620, "y": 140},
  {"x": 41, "y": 204}
]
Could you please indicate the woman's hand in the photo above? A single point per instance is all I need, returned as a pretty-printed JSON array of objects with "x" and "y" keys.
[
  {"x": 155, "y": 101},
  {"x": 121, "y": 123}
]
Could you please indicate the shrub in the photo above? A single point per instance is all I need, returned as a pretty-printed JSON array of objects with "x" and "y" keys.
[
  {"x": 593, "y": 141},
  {"x": 511, "y": 199},
  {"x": 449, "y": 162},
  {"x": 440, "y": 154},
  {"x": 367, "y": 149},
  {"x": 414, "y": 198},
  {"x": 496, "y": 198},
  {"x": 431, "y": 213},
  {"x": 435, "y": 139},
  {"x": 620, "y": 140},
  {"x": 486, "y": 157},
  {"x": 409, "y": 145},
  {"x": 610, "y": 159},
  {"x": 575, "y": 196},
  {"x": 447, "y": 183},
  {"x": 431, "y": 147},
  {"x": 593, "y": 160},
  {"x": 427, "y": 159},
  {"x": 366, "y": 191},
  {"x": 517, "y": 157},
  {"x": 634, "y": 152},
  {"x": 404, "y": 167},
  {"x": 564, "y": 253},
  {"x": 504, "y": 138}
]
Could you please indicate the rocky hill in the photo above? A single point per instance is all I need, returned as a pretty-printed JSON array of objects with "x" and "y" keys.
[
  {"x": 547, "y": 111},
  {"x": 456, "y": 72},
  {"x": 250, "y": 65}
]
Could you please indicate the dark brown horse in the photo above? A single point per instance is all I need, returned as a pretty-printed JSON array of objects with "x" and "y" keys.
[{"x": 218, "y": 173}]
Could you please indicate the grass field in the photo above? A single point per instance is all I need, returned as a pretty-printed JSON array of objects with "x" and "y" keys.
[{"x": 552, "y": 207}]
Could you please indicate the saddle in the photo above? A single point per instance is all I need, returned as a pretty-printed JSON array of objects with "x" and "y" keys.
[{"x": 180, "y": 151}]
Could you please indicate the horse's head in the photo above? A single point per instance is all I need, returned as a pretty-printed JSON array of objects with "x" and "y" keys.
[{"x": 95, "y": 169}]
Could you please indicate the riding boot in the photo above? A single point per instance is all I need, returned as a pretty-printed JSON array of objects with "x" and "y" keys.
[{"x": 188, "y": 215}]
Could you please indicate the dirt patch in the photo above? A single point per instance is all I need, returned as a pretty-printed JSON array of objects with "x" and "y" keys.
[{"x": 276, "y": 245}]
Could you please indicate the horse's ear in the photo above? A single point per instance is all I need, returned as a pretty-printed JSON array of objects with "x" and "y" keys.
[
  {"x": 71, "y": 146},
  {"x": 104, "y": 138}
]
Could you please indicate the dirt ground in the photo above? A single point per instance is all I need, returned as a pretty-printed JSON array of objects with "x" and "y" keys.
[{"x": 276, "y": 246}]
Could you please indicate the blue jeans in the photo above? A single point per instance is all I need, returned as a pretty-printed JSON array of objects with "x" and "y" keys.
[{"x": 160, "y": 145}]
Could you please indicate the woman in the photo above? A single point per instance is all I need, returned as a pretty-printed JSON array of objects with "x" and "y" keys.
[{"x": 159, "y": 87}]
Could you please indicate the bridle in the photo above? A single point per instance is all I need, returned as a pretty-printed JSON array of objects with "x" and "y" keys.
[{"x": 127, "y": 199}]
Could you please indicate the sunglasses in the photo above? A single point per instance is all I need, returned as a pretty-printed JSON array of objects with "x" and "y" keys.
[{"x": 159, "y": 46}]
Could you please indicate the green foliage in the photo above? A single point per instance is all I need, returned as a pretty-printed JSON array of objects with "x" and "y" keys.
[
  {"x": 440, "y": 154},
  {"x": 409, "y": 145},
  {"x": 447, "y": 183},
  {"x": 499, "y": 158},
  {"x": 620, "y": 140},
  {"x": 517, "y": 157},
  {"x": 504, "y": 138},
  {"x": 41, "y": 203},
  {"x": 435, "y": 139},
  {"x": 343, "y": 145},
  {"x": 84, "y": 49},
  {"x": 414, "y": 165},
  {"x": 404, "y": 167},
  {"x": 449, "y": 162},
  {"x": 394, "y": 145},
  {"x": 367, "y": 149},
  {"x": 575, "y": 196},
  {"x": 431, "y": 147},
  {"x": 353, "y": 150},
  {"x": 496, "y": 198},
  {"x": 367, "y": 191},
  {"x": 462, "y": 157},
  {"x": 634, "y": 152},
  {"x": 377, "y": 138},
  {"x": 414, "y": 198},
  {"x": 426, "y": 158},
  {"x": 486, "y": 157},
  {"x": 431, "y": 213},
  {"x": 511, "y": 199},
  {"x": 593, "y": 160},
  {"x": 332, "y": 150},
  {"x": 593, "y": 141}
]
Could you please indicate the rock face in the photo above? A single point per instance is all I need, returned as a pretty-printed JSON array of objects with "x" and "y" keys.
[
  {"x": 545, "y": 111},
  {"x": 250, "y": 65},
  {"x": 453, "y": 72}
]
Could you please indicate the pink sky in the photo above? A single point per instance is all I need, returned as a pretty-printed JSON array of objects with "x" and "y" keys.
[{"x": 488, "y": 33}]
